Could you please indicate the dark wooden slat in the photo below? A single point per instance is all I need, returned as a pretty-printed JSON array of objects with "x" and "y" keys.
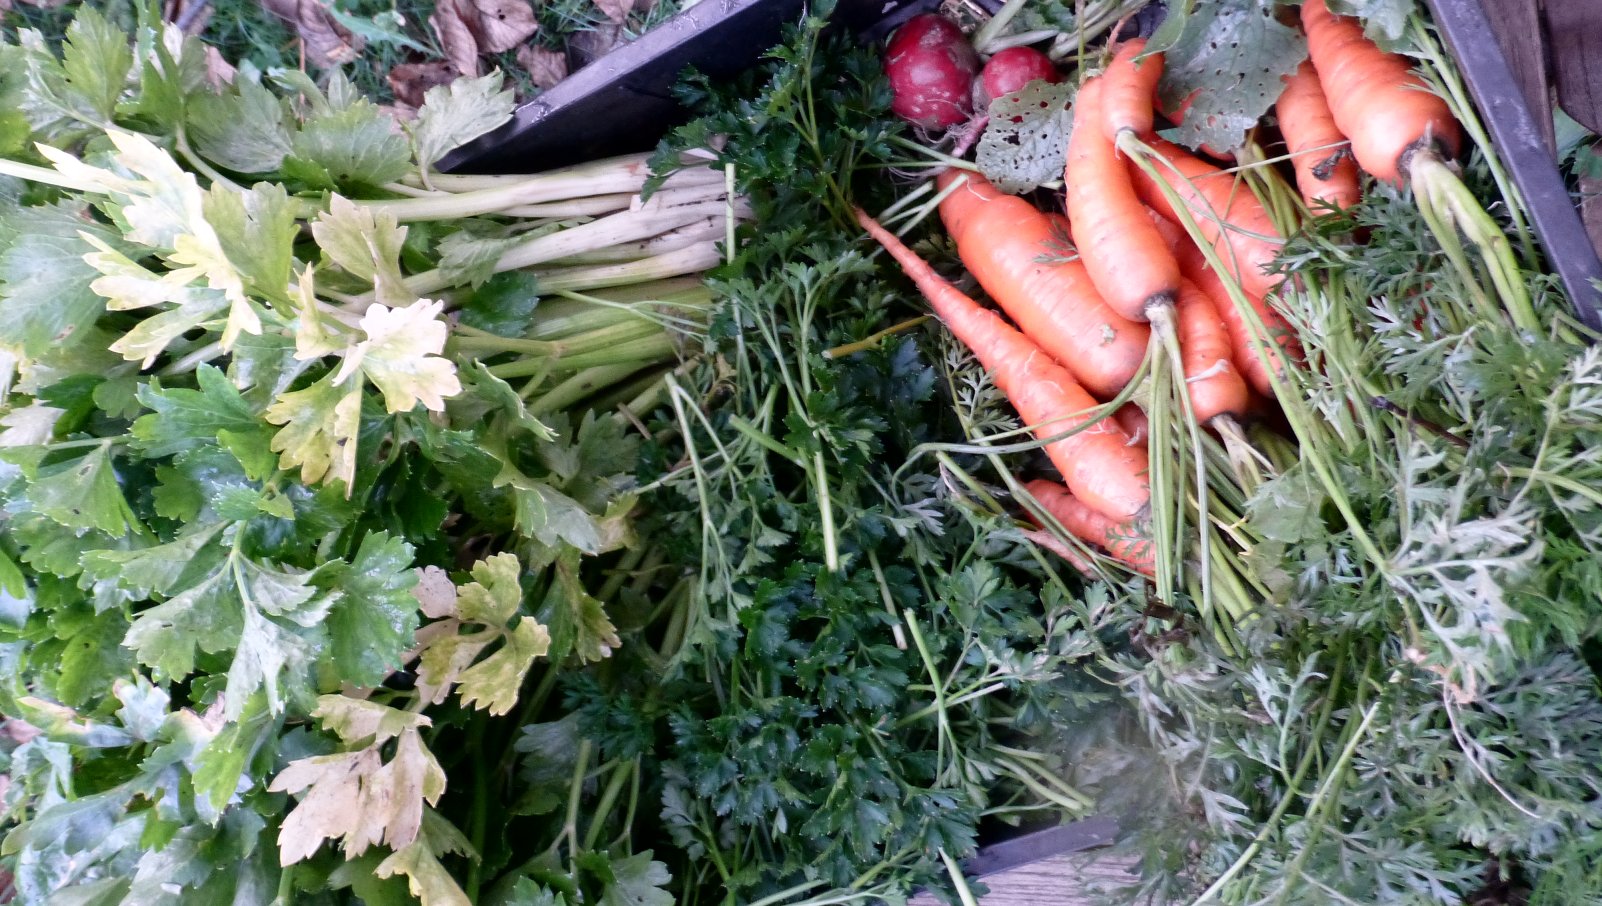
[
  {"x": 1574, "y": 28},
  {"x": 1517, "y": 26},
  {"x": 1518, "y": 140}
]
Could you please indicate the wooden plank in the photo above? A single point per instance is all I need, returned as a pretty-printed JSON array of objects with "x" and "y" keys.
[
  {"x": 1073, "y": 880},
  {"x": 1517, "y": 26},
  {"x": 1574, "y": 30}
]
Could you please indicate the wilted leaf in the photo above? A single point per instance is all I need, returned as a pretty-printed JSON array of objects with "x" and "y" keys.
[
  {"x": 356, "y": 797},
  {"x": 545, "y": 67},
  {"x": 1230, "y": 59},
  {"x": 327, "y": 42},
  {"x": 468, "y": 28},
  {"x": 411, "y": 81}
]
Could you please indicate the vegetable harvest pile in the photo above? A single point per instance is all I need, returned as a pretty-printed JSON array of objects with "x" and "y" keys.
[{"x": 632, "y": 534}]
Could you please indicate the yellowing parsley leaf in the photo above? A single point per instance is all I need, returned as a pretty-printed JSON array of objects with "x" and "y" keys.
[
  {"x": 493, "y": 683},
  {"x": 495, "y": 592},
  {"x": 401, "y": 356},
  {"x": 547, "y": 515},
  {"x": 83, "y": 494},
  {"x": 457, "y": 113},
  {"x": 426, "y": 878},
  {"x": 319, "y": 431},
  {"x": 256, "y": 230},
  {"x": 367, "y": 245},
  {"x": 313, "y": 338},
  {"x": 29, "y": 425},
  {"x": 356, "y": 797}
]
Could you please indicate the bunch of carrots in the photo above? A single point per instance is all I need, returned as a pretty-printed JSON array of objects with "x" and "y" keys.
[{"x": 1171, "y": 285}]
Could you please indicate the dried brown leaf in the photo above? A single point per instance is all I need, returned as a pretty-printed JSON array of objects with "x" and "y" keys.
[
  {"x": 219, "y": 72},
  {"x": 410, "y": 81},
  {"x": 616, "y": 10},
  {"x": 544, "y": 67},
  {"x": 327, "y": 42},
  {"x": 468, "y": 28}
]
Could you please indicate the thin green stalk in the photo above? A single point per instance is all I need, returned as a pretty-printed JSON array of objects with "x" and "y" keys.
[
  {"x": 615, "y": 229},
  {"x": 692, "y": 259},
  {"x": 958, "y": 881},
  {"x": 603, "y": 807},
  {"x": 623, "y": 330},
  {"x": 583, "y": 384},
  {"x": 644, "y": 351},
  {"x": 575, "y": 793}
]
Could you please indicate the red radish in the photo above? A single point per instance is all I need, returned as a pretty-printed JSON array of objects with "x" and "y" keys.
[
  {"x": 931, "y": 68},
  {"x": 1010, "y": 70}
]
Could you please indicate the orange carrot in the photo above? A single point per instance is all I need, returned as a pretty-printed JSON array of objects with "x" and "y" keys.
[
  {"x": 1215, "y": 387},
  {"x": 1284, "y": 346},
  {"x": 1097, "y": 462},
  {"x": 1326, "y": 174},
  {"x": 1121, "y": 248},
  {"x": 1016, "y": 254},
  {"x": 1247, "y": 240},
  {"x": 1377, "y": 100},
  {"x": 1122, "y": 540},
  {"x": 1129, "y": 87}
]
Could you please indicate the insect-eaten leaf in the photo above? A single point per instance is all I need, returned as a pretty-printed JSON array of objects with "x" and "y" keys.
[
  {"x": 468, "y": 28},
  {"x": 1025, "y": 145},
  {"x": 1229, "y": 62}
]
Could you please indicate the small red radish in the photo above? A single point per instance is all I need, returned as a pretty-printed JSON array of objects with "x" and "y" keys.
[
  {"x": 1010, "y": 70},
  {"x": 931, "y": 68}
]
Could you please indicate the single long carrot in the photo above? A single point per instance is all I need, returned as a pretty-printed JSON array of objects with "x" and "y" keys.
[
  {"x": 1215, "y": 386},
  {"x": 1018, "y": 256},
  {"x": 1122, "y": 251},
  {"x": 1377, "y": 100},
  {"x": 1096, "y": 462},
  {"x": 1326, "y": 173},
  {"x": 1122, "y": 540},
  {"x": 1229, "y": 215},
  {"x": 1130, "y": 89}
]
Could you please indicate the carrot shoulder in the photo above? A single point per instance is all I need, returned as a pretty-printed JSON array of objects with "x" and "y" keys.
[
  {"x": 1122, "y": 251},
  {"x": 1096, "y": 462},
  {"x": 1326, "y": 174},
  {"x": 1017, "y": 255},
  {"x": 1376, "y": 98}
]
